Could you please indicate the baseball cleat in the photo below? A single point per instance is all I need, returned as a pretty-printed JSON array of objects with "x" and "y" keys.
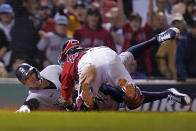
[
  {"x": 128, "y": 89},
  {"x": 87, "y": 96},
  {"x": 176, "y": 96},
  {"x": 168, "y": 34}
]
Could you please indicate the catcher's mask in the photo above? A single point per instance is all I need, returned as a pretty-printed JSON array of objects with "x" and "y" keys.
[
  {"x": 70, "y": 47},
  {"x": 24, "y": 69}
]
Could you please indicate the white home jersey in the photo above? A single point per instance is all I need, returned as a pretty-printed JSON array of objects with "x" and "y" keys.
[{"x": 49, "y": 98}]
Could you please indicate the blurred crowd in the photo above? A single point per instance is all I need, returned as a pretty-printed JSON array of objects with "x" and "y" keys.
[{"x": 34, "y": 31}]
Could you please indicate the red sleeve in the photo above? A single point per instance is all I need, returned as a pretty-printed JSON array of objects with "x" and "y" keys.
[{"x": 67, "y": 86}]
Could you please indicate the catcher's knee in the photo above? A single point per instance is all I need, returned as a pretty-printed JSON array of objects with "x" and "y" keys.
[
  {"x": 133, "y": 96},
  {"x": 127, "y": 88},
  {"x": 137, "y": 101}
]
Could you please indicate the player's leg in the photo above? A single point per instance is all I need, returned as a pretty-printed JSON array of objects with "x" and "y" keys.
[
  {"x": 153, "y": 96},
  {"x": 170, "y": 94},
  {"x": 92, "y": 72},
  {"x": 109, "y": 68},
  {"x": 133, "y": 52},
  {"x": 168, "y": 34},
  {"x": 118, "y": 76},
  {"x": 86, "y": 77}
]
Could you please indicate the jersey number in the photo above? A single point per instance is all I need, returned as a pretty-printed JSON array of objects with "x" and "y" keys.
[{"x": 72, "y": 58}]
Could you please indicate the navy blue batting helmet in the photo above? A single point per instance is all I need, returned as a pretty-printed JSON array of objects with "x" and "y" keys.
[{"x": 24, "y": 69}]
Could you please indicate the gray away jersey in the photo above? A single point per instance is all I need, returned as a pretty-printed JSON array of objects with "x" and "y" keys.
[{"x": 49, "y": 98}]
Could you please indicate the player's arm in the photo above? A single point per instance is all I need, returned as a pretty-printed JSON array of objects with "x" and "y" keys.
[
  {"x": 66, "y": 90},
  {"x": 29, "y": 105}
]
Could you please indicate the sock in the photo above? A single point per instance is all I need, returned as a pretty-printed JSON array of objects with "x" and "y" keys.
[
  {"x": 153, "y": 96},
  {"x": 138, "y": 49}
]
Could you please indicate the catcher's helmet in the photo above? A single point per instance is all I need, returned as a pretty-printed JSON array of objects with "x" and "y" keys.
[
  {"x": 70, "y": 47},
  {"x": 24, "y": 69}
]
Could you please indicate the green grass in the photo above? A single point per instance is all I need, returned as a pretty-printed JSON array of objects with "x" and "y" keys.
[{"x": 97, "y": 121}]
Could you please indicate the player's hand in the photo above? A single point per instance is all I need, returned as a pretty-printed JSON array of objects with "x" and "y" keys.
[
  {"x": 73, "y": 107},
  {"x": 67, "y": 102},
  {"x": 24, "y": 108},
  {"x": 80, "y": 106}
]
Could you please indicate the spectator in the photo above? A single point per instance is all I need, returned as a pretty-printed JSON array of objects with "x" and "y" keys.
[
  {"x": 159, "y": 24},
  {"x": 7, "y": 21},
  {"x": 48, "y": 2},
  {"x": 52, "y": 42},
  {"x": 73, "y": 8},
  {"x": 179, "y": 7},
  {"x": 92, "y": 33},
  {"x": 6, "y": 24},
  {"x": 5, "y": 17},
  {"x": 3, "y": 44},
  {"x": 3, "y": 49},
  {"x": 141, "y": 7},
  {"x": 185, "y": 54},
  {"x": 171, "y": 3},
  {"x": 167, "y": 51},
  {"x": 157, "y": 20},
  {"x": 188, "y": 13},
  {"x": 3, "y": 71},
  {"x": 80, "y": 12},
  {"x": 78, "y": 18},
  {"x": 115, "y": 27},
  {"x": 70, "y": 6},
  {"x": 48, "y": 23},
  {"x": 193, "y": 13},
  {"x": 134, "y": 34},
  {"x": 25, "y": 32},
  {"x": 104, "y": 6},
  {"x": 162, "y": 7},
  {"x": 156, "y": 23},
  {"x": 58, "y": 8}
]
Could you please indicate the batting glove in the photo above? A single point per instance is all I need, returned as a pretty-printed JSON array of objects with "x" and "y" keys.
[{"x": 24, "y": 108}]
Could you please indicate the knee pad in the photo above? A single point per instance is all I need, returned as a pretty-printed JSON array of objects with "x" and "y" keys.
[
  {"x": 128, "y": 88},
  {"x": 137, "y": 101}
]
